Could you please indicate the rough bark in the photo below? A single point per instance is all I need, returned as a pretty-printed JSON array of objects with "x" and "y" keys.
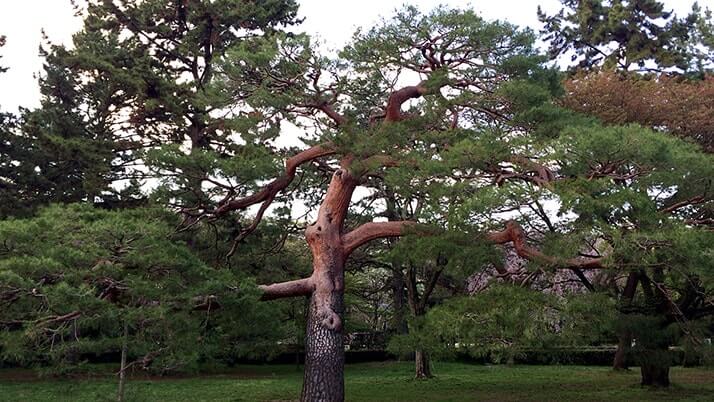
[
  {"x": 323, "y": 378},
  {"x": 324, "y": 350}
]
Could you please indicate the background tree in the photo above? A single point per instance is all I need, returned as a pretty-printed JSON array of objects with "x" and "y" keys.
[
  {"x": 673, "y": 104},
  {"x": 621, "y": 34},
  {"x": 77, "y": 282},
  {"x": 136, "y": 77},
  {"x": 506, "y": 320},
  {"x": 640, "y": 208}
]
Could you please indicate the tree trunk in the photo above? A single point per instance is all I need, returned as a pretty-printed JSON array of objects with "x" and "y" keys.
[
  {"x": 625, "y": 335},
  {"x": 324, "y": 358},
  {"x": 399, "y": 320},
  {"x": 655, "y": 374},
  {"x": 422, "y": 365},
  {"x": 122, "y": 365},
  {"x": 623, "y": 346},
  {"x": 324, "y": 349},
  {"x": 330, "y": 247}
]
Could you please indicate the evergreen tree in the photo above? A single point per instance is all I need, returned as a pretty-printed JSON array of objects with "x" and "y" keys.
[
  {"x": 621, "y": 34},
  {"x": 459, "y": 66},
  {"x": 135, "y": 78},
  {"x": 77, "y": 282}
]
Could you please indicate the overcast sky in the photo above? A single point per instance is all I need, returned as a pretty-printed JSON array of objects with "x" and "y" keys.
[{"x": 333, "y": 21}]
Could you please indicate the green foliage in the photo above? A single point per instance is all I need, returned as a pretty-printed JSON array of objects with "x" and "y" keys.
[
  {"x": 642, "y": 31},
  {"x": 503, "y": 321},
  {"x": 71, "y": 277}
]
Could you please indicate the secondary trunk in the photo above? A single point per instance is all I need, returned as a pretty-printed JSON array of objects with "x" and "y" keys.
[
  {"x": 399, "y": 320},
  {"x": 623, "y": 346},
  {"x": 122, "y": 367},
  {"x": 422, "y": 365},
  {"x": 625, "y": 334}
]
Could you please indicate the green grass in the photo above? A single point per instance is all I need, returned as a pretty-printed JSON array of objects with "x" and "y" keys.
[{"x": 376, "y": 382}]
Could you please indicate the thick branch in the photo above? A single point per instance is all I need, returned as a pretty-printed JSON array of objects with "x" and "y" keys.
[
  {"x": 268, "y": 192},
  {"x": 515, "y": 234},
  {"x": 393, "y": 111},
  {"x": 373, "y": 230},
  {"x": 300, "y": 287}
]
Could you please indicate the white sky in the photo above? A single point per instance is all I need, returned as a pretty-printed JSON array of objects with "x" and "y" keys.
[{"x": 333, "y": 21}]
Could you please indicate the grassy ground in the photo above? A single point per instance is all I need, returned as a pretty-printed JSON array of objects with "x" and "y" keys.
[{"x": 377, "y": 382}]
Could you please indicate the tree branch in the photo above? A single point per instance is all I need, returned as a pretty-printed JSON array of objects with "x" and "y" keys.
[
  {"x": 393, "y": 111},
  {"x": 372, "y": 230},
  {"x": 514, "y": 233},
  {"x": 691, "y": 201},
  {"x": 332, "y": 114},
  {"x": 268, "y": 193},
  {"x": 300, "y": 287}
]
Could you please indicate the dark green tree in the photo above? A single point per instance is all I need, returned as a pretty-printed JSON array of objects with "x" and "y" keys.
[
  {"x": 621, "y": 34},
  {"x": 77, "y": 282},
  {"x": 135, "y": 78}
]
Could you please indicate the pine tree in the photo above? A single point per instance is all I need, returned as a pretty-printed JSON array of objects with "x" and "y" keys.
[
  {"x": 459, "y": 66},
  {"x": 78, "y": 282},
  {"x": 642, "y": 32}
]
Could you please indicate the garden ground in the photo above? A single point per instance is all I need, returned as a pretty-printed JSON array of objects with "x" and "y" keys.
[{"x": 388, "y": 381}]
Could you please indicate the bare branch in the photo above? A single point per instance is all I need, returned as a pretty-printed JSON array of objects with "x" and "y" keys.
[{"x": 300, "y": 287}]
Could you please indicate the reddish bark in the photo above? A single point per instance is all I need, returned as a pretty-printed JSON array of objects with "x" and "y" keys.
[
  {"x": 268, "y": 193},
  {"x": 374, "y": 230},
  {"x": 393, "y": 111},
  {"x": 330, "y": 247},
  {"x": 515, "y": 234}
]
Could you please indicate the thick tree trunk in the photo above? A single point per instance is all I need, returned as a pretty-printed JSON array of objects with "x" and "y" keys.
[
  {"x": 330, "y": 247},
  {"x": 324, "y": 348},
  {"x": 422, "y": 365},
  {"x": 655, "y": 374},
  {"x": 324, "y": 357}
]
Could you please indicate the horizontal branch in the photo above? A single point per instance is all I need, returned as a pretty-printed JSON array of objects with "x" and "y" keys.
[
  {"x": 513, "y": 233},
  {"x": 300, "y": 287},
  {"x": 373, "y": 230},
  {"x": 691, "y": 201}
]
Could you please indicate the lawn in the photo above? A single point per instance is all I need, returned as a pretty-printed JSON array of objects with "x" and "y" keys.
[{"x": 376, "y": 382}]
